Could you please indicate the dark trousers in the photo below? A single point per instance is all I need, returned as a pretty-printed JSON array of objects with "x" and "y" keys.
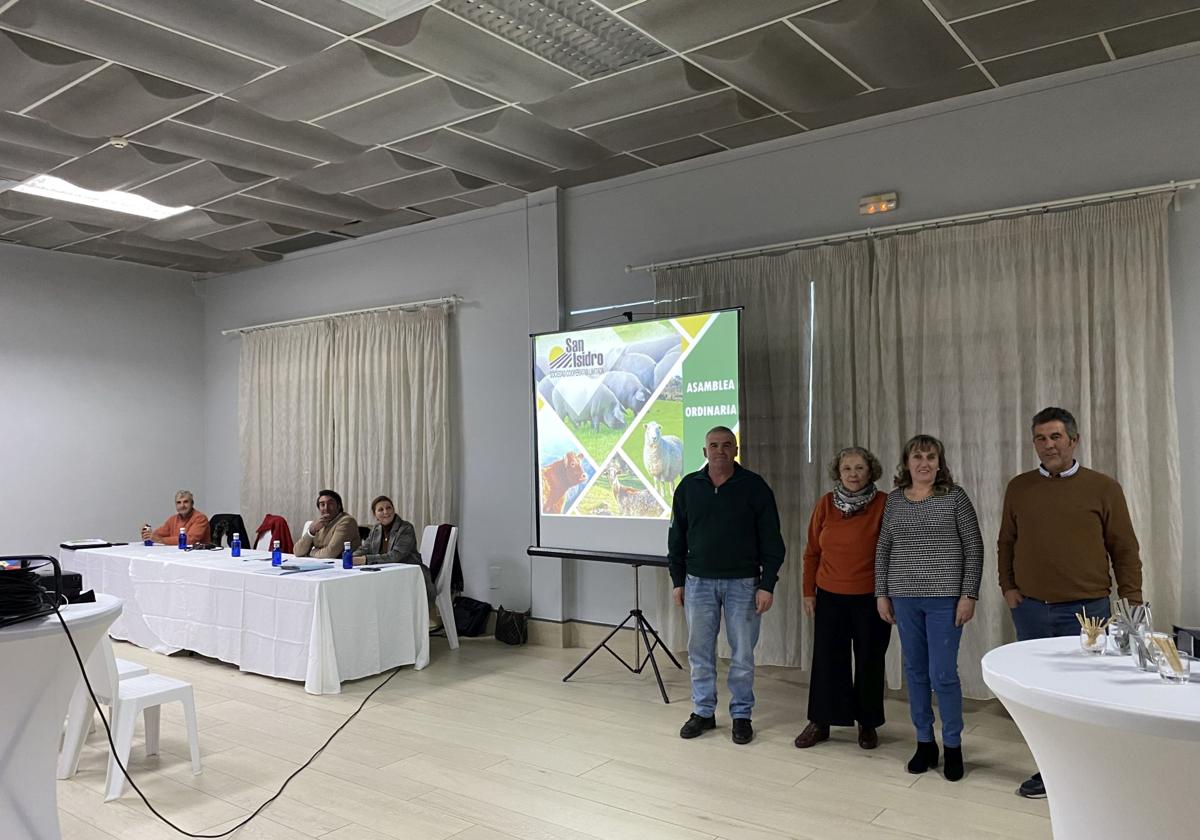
[
  {"x": 839, "y": 695},
  {"x": 1036, "y": 619}
]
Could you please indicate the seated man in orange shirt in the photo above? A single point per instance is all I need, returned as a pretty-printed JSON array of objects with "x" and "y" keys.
[{"x": 192, "y": 521}]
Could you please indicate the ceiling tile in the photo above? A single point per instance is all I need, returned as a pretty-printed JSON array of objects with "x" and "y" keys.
[
  {"x": 68, "y": 211},
  {"x": 340, "y": 17},
  {"x": 1155, "y": 35},
  {"x": 900, "y": 43},
  {"x": 95, "y": 30},
  {"x": 115, "y": 101},
  {"x": 280, "y": 214},
  {"x": 1043, "y": 62},
  {"x": 189, "y": 225},
  {"x": 967, "y": 80},
  {"x": 373, "y": 167},
  {"x": 671, "y": 122},
  {"x": 1042, "y": 22},
  {"x": 326, "y": 82},
  {"x": 188, "y": 255},
  {"x": 248, "y": 236},
  {"x": 780, "y": 68},
  {"x": 684, "y": 24},
  {"x": 110, "y": 168},
  {"x": 33, "y": 69},
  {"x": 245, "y": 123},
  {"x": 636, "y": 90},
  {"x": 492, "y": 196},
  {"x": 200, "y": 184},
  {"x": 677, "y": 150},
  {"x": 24, "y": 161},
  {"x": 755, "y": 131},
  {"x": 35, "y": 134},
  {"x": 613, "y": 167},
  {"x": 953, "y": 9},
  {"x": 425, "y": 186},
  {"x": 12, "y": 219},
  {"x": 345, "y": 206},
  {"x": 219, "y": 148},
  {"x": 53, "y": 233},
  {"x": 519, "y": 132},
  {"x": 181, "y": 248},
  {"x": 460, "y": 152},
  {"x": 407, "y": 112},
  {"x": 395, "y": 219},
  {"x": 252, "y": 29},
  {"x": 301, "y": 243},
  {"x": 439, "y": 41},
  {"x": 444, "y": 207}
]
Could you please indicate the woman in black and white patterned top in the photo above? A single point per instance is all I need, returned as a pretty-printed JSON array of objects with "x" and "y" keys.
[{"x": 928, "y": 563}]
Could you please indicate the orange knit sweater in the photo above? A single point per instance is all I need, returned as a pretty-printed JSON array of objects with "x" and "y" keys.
[{"x": 840, "y": 553}]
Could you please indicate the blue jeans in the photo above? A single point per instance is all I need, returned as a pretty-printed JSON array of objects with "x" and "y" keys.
[
  {"x": 929, "y": 641},
  {"x": 704, "y": 599},
  {"x": 1036, "y": 619}
]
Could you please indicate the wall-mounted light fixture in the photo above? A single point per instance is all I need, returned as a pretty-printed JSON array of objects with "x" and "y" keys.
[{"x": 871, "y": 205}]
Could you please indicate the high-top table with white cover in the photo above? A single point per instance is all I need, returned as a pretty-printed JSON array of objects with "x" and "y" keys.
[
  {"x": 40, "y": 672},
  {"x": 1118, "y": 748},
  {"x": 320, "y": 627}
]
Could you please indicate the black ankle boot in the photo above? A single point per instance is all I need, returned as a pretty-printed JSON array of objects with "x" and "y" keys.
[
  {"x": 953, "y": 768},
  {"x": 925, "y": 757}
]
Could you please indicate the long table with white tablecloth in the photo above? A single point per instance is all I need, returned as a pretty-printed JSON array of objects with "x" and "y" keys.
[{"x": 321, "y": 627}]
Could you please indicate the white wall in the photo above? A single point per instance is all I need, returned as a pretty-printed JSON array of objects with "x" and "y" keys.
[
  {"x": 1077, "y": 134},
  {"x": 102, "y": 382},
  {"x": 484, "y": 258}
]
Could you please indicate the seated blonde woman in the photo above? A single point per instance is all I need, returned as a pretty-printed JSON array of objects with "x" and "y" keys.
[{"x": 392, "y": 540}]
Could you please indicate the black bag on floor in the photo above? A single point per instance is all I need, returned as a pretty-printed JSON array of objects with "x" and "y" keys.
[
  {"x": 512, "y": 628},
  {"x": 471, "y": 616}
]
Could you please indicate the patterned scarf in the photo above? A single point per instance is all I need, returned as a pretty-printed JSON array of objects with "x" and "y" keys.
[{"x": 852, "y": 503}]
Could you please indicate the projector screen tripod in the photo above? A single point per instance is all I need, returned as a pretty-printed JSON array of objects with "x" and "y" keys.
[{"x": 643, "y": 632}]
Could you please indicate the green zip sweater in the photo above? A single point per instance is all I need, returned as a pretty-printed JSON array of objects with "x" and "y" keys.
[{"x": 731, "y": 531}]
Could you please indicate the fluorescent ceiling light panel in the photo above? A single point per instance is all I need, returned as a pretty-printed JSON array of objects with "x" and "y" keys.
[
  {"x": 390, "y": 9},
  {"x": 48, "y": 186}
]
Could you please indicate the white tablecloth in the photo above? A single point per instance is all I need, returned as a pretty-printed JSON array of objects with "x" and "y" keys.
[
  {"x": 320, "y": 627},
  {"x": 40, "y": 671},
  {"x": 1117, "y": 747}
]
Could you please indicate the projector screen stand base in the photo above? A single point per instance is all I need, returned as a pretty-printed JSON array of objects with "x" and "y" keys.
[{"x": 643, "y": 632}]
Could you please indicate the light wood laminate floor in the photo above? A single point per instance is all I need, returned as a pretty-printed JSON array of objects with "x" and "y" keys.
[{"x": 488, "y": 743}]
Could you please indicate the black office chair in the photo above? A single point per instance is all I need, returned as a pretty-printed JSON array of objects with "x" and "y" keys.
[
  {"x": 363, "y": 533},
  {"x": 224, "y": 525}
]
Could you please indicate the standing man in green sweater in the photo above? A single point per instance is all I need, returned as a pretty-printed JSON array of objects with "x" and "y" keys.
[
  {"x": 1062, "y": 529},
  {"x": 724, "y": 551}
]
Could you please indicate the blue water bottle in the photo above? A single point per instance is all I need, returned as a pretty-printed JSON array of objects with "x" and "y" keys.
[
  {"x": 236, "y": 546},
  {"x": 182, "y": 540},
  {"x": 276, "y": 555},
  {"x": 347, "y": 557}
]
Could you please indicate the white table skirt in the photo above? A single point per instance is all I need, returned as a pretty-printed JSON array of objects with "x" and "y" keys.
[
  {"x": 40, "y": 672},
  {"x": 1117, "y": 747},
  {"x": 321, "y": 627}
]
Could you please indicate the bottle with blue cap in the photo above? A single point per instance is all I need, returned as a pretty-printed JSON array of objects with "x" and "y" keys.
[
  {"x": 236, "y": 546},
  {"x": 182, "y": 539},
  {"x": 347, "y": 556},
  {"x": 276, "y": 555}
]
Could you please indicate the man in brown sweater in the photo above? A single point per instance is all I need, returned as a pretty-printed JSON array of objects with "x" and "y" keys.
[
  {"x": 327, "y": 535},
  {"x": 1062, "y": 529}
]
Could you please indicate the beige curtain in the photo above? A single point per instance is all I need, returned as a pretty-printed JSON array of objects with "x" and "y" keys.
[
  {"x": 357, "y": 403},
  {"x": 391, "y": 413},
  {"x": 774, "y": 440},
  {"x": 284, "y": 420},
  {"x": 974, "y": 328}
]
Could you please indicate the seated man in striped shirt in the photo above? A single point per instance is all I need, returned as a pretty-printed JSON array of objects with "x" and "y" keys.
[{"x": 1062, "y": 527}]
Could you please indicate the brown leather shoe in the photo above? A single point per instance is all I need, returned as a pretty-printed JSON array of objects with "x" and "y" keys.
[
  {"x": 811, "y": 736},
  {"x": 868, "y": 738}
]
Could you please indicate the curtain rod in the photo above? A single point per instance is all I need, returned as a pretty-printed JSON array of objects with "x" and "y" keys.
[
  {"x": 945, "y": 221},
  {"x": 410, "y": 305}
]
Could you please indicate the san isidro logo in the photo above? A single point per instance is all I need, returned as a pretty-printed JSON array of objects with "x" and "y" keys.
[{"x": 574, "y": 358}]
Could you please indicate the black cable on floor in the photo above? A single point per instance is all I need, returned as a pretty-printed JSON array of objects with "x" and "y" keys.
[{"x": 112, "y": 746}]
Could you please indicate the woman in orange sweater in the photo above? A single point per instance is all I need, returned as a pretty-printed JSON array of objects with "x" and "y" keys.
[{"x": 839, "y": 594}]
